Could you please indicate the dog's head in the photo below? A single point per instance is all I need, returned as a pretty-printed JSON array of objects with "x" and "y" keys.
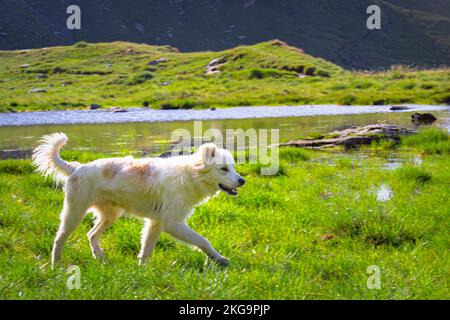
[{"x": 218, "y": 165}]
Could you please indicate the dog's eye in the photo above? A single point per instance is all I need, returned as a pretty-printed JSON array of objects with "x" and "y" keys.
[{"x": 225, "y": 169}]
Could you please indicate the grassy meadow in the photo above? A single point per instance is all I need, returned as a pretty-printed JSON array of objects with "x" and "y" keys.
[
  {"x": 269, "y": 73},
  {"x": 309, "y": 232}
]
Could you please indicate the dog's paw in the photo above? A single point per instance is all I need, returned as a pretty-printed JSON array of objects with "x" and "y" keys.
[{"x": 223, "y": 262}]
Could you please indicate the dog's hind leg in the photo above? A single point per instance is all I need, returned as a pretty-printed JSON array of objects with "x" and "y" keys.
[
  {"x": 181, "y": 231},
  {"x": 150, "y": 235},
  {"x": 71, "y": 216},
  {"x": 106, "y": 215}
]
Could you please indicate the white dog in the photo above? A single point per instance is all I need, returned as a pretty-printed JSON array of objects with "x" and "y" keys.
[{"x": 162, "y": 191}]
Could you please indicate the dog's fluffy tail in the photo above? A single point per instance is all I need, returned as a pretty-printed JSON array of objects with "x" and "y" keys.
[{"x": 47, "y": 160}]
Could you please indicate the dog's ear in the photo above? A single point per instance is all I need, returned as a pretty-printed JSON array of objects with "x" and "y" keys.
[
  {"x": 208, "y": 152},
  {"x": 199, "y": 166}
]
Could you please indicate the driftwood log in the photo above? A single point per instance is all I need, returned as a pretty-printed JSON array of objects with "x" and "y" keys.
[{"x": 354, "y": 136}]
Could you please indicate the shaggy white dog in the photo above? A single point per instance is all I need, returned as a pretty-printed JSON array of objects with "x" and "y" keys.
[{"x": 162, "y": 191}]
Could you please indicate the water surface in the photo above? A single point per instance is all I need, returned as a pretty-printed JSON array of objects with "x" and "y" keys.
[
  {"x": 150, "y": 115},
  {"x": 17, "y": 141}
]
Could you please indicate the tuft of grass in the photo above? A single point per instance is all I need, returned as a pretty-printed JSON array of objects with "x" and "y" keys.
[
  {"x": 345, "y": 163},
  {"x": 395, "y": 240},
  {"x": 413, "y": 174},
  {"x": 183, "y": 104},
  {"x": 81, "y": 44},
  {"x": 294, "y": 154},
  {"x": 347, "y": 100},
  {"x": 140, "y": 78},
  {"x": 264, "y": 73},
  {"x": 16, "y": 167},
  {"x": 445, "y": 99},
  {"x": 429, "y": 141}
]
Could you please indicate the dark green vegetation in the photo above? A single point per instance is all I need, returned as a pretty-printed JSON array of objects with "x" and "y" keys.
[
  {"x": 308, "y": 233},
  {"x": 127, "y": 74},
  {"x": 414, "y": 32}
]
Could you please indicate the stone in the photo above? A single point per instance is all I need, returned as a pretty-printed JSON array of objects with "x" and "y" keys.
[
  {"x": 94, "y": 106},
  {"x": 157, "y": 61},
  {"x": 37, "y": 90},
  {"x": 217, "y": 62},
  {"x": 423, "y": 118},
  {"x": 118, "y": 110},
  {"x": 398, "y": 108}
]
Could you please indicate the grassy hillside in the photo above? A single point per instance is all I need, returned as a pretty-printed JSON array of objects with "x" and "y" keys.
[
  {"x": 269, "y": 73},
  {"x": 309, "y": 232}
]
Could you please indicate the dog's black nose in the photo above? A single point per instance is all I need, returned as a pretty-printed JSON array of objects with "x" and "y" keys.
[{"x": 241, "y": 181}]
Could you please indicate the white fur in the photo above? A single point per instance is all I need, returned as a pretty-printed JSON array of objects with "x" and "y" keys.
[{"x": 162, "y": 191}]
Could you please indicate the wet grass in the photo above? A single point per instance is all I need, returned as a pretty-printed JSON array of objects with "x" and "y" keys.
[
  {"x": 310, "y": 232},
  {"x": 126, "y": 74}
]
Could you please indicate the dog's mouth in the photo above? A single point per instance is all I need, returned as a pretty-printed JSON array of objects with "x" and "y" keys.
[{"x": 228, "y": 190}]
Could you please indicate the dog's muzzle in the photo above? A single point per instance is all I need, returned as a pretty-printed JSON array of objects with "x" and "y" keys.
[{"x": 228, "y": 190}]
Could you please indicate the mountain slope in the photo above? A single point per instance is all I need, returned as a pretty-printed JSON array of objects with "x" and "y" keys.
[{"x": 413, "y": 31}]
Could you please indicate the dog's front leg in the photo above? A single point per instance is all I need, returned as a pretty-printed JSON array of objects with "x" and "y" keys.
[
  {"x": 181, "y": 231},
  {"x": 150, "y": 235}
]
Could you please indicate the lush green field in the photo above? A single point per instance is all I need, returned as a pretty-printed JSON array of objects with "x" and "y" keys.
[
  {"x": 119, "y": 74},
  {"x": 310, "y": 232}
]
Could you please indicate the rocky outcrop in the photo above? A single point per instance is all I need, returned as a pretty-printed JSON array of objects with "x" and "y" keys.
[
  {"x": 214, "y": 66},
  {"x": 354, "y": 136}
]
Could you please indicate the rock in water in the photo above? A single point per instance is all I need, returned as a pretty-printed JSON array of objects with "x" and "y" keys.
[
  {"x": 118, "y": 110},
  {"x": 423, "y": 118},
  {"x": 398, "y": 108}
]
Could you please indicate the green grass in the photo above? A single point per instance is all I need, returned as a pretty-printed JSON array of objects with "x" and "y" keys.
[
  {"x": 308, "y": 233},
  {"x": 119, "y": 74},
  {"x": 429, "y": 141}
]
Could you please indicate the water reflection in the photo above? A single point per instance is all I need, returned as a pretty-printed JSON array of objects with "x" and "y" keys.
[{"x": 384, "y": 193}]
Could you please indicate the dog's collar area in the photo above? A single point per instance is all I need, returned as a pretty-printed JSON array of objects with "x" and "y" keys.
[{"x": 228, "y": 190}]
